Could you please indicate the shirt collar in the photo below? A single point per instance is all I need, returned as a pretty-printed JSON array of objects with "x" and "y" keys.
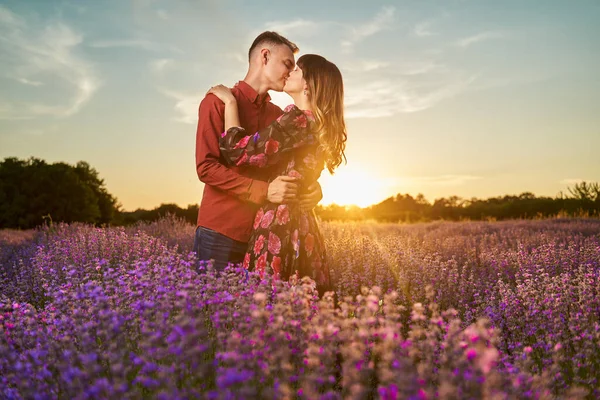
[{"x": 251, "y": 94}]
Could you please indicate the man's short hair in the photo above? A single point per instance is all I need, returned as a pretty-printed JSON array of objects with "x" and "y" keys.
[{"x": 271, "y": 38}]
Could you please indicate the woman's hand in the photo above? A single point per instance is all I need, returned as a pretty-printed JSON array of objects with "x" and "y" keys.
[{"x": 223, "y": 93}]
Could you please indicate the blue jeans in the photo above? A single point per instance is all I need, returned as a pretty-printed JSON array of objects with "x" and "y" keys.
[{"x": 211, "y": 245}]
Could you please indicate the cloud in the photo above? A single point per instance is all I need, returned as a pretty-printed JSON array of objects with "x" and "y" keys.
[
  {"x": 28, "y": 82},
  {"x": 366, "y": 66},
  {"x": 160, "y": 65},
  {"x": 162, "y": 14},
  {"x": 382, "y": 20},
  {"x": 135, "y": 43},
  {"x": 8, "y": 18},
  {"x": 389, "y": 93},
  {"x": 480, "y": 37},
  {"x": 32, "y": 56},
  {"x": 186, "y": 105},
  {"x": 295, "y": 27},
  {"x": 422, "y": 29}
]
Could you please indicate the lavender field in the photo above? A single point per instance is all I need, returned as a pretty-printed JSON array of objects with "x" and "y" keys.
[{"x": 440, "y": 310}]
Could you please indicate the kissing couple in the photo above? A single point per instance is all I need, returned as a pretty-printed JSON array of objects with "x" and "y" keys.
[{"x": 260, "y": 164}]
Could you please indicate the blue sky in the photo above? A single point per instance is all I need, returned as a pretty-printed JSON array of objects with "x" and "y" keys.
[{"x": 468, "y": 98}]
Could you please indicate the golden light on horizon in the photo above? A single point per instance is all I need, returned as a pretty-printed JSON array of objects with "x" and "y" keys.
[{"x": 352, "y": 185}]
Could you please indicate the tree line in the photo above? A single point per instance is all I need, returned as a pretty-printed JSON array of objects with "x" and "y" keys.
[
  {"x": 581, "y": 200},
  {"x": 33, "y": 192}
]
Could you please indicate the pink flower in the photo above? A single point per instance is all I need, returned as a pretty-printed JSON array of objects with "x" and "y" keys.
[
  {"x": 527, "y": 349},
  {"x": 283, "y": 214},
  {"x": 242, "y": 143},
  {"x": 289, "y": 108},
  {"x": 274, "y": 243},
  {"x": 276, "y": 265},
  {"x": 259, "y": 160},
  {"x": 261, "y": 264},
  {"x": 271, "y": 146},
  {"x": 259, "y": 244},
  {"x": 557, "y": 346},
  {"x": 471, "y": 354},
  {"x": 300, "y": 121},
  {"x": 246, "y": 263},
  {"x": 309, "y": 243},
  {"x": 267, "y": 219},
  {"x": 243, "y": 159},
  {"x": 303, "y": 224},
  {"x": 258, "y": 218},
  {"x": 295, "y": 174},
  {"x": 310, "y": 161},
  {"x": 488, "y": 360}
]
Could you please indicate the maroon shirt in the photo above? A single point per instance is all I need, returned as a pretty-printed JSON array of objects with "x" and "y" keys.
[{"x": 231, "y": 195}]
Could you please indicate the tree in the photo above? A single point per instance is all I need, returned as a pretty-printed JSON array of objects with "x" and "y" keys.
[
  {"x": 32, "y": 189},
  {"x": 586, "y": 191}
]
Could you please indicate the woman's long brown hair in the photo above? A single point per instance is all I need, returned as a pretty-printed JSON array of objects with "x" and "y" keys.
[{"x": 326, "y": 94}]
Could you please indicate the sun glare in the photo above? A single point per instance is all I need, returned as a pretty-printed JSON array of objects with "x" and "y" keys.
[{"x": 352, "y": 186}]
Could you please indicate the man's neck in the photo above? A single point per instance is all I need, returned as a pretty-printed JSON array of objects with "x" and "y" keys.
[{"x": 255, "y": 82}]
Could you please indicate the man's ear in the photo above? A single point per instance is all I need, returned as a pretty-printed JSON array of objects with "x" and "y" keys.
[{"x": 265, "y": 54}]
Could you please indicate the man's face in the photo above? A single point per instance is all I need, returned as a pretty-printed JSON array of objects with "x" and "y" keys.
[{"x": 279, "y": 65}]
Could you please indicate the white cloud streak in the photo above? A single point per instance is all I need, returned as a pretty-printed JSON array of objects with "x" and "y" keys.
[
  {"x": 186, "y": 105},
  {"x": 28, "y": 82},
  {"x": 131, "y": 43},
  {"x": 383, "y": 20},
  {"x": 162, "y": 14},
  {"x": 390, "y": 93},
  {"x": 480, "y": 37},
  {"x": 161, "y": 65},
  {"x": 423, "y": 29},
  {"x": 294, "y": 27},
  {"x": 31, "y": 56}
]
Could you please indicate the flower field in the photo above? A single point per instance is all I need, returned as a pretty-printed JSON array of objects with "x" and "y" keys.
[{"x": 440, "y": 310}]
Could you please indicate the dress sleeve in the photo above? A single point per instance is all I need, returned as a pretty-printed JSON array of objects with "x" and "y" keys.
[{"x": 263, "y": 148}]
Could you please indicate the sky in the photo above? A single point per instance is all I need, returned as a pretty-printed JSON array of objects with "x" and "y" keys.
[{"x": 450, "y": 97}]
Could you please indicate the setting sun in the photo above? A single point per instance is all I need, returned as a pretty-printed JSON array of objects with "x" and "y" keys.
[{"x": 352, "y": 185}]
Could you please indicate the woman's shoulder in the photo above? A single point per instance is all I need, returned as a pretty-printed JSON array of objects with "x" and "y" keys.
[
  {"x": 294, "y": 110},
  {"x": 289, "y": 108}
]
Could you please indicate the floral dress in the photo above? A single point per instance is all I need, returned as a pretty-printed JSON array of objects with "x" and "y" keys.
[{"x": 285, "y": 241}]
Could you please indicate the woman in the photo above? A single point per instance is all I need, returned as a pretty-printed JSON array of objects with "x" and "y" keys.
[{"x": 309, "y": 135}]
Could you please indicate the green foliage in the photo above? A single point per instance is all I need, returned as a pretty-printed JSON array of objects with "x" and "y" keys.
[
  {"x": 584, "y": 200},
  {"x": 189, "y": 214},
  {"x": 33, "y": 191}
]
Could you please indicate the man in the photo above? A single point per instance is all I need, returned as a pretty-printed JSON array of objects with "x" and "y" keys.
[{"x": 232, "y": 195}]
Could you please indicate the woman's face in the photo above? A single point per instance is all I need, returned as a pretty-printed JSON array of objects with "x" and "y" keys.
[{"x": 295, "y": 83}]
